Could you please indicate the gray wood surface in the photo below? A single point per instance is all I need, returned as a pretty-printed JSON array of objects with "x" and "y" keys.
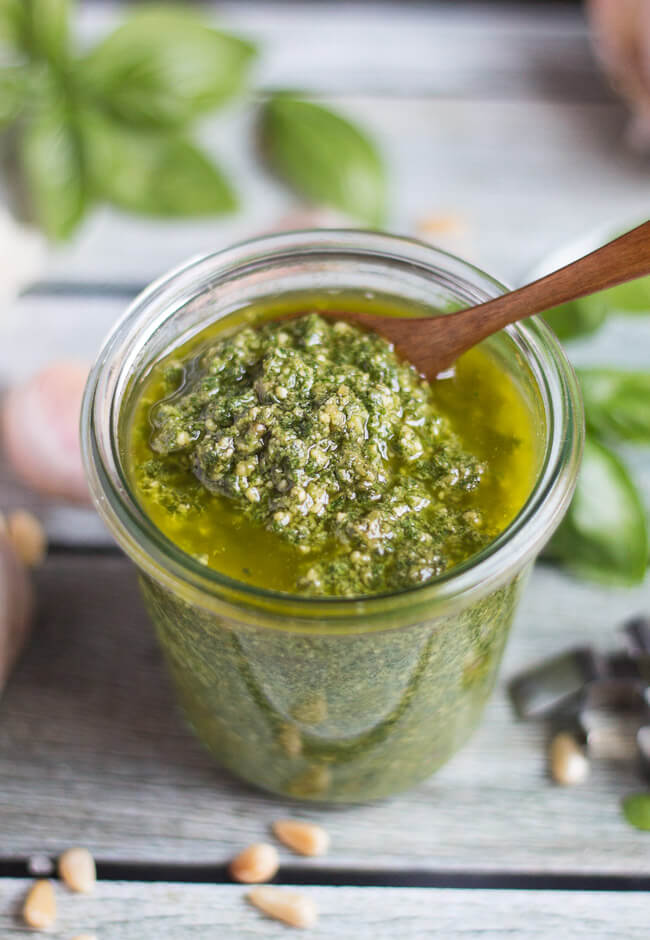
[
  {"x": 92, "y": 750},
  {"x": 136, "y": 911}
]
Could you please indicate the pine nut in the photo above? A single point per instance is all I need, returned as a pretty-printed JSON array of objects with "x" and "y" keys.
[
  {"x": 259, "y": 862},
  {"x": 27, "y": 536},
  {"x": 569, "y": 763},
  {"x": 290, "y": 740},
  {"x": 291, "y": 908},
  {"x": 39, "y": 910},
  {"x": 77, "y": 870},
  {"x": 303, "y": 837}
]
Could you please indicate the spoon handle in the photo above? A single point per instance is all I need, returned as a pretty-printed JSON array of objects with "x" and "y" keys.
[{"x": 623, "y": 259}]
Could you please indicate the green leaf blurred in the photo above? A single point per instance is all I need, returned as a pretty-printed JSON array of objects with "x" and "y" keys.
[
  {"x": 578, "y": 317},
  {"x": 632, "y": 297},
  {"x": 164, "y": 66},
  {"x": 604, "y": 535},
  {"x": 152, "y": 172},
  {"x": 46, "y": 29},
  {"x": 53, "y": 166},
  {"x": 617, "y": 403},
  {"x": 324, "y": 157},
  {"x": 636, "y": 809},
  {"x": 13, "y": 19},
  {"x": 14, "y": 84}
]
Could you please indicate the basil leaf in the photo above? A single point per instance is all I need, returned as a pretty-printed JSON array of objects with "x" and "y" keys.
[
  {"x": 13, "y": 22},
  {"x": 13, "y": 91},
  {"x": 53, "y": 165},
  {"x": 636, "y": 809},
  {"x": 631, "y": 297},
  {"x": 604, "y": 535},
  {"x": 164, "y": 66},
  {"x": 324, "y": 157},
  {"x": 45, "y": 32},
  {"x": 152, "y": 172},
  {"x": 617, "y": 404},
  {"x": 578, "y": 317}
]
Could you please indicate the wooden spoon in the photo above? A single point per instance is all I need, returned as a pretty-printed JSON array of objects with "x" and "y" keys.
[{"x": 433, "y": 344}]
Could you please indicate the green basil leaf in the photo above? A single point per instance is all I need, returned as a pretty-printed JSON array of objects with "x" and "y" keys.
[
  {"x": 324, "y": 157},
  {"x": 164, "y": 66},
  {"x": 53, "y": 166},
  {"x": 13, "y": 91},
  {"x": 13, "y": 22},
  {"x": 45, "y": 30},
  {"x": 617, "y": 404},
  {"x": 578, "y": 317},
  {"x": 152, "y": 172},
  {"x": 630, "y": 298},
  {"x": 636, "y": 809},
  {"x": 604, "y": 535}
]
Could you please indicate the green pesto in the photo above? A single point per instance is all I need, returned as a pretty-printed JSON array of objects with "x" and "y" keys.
[
  {"x": 321, "y": 712},
  {"x": 314, "y": 434},
  {"x": 328, "y": 716}
]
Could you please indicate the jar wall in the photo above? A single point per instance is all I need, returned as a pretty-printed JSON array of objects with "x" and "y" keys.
[{"x": 334, "y": 717}]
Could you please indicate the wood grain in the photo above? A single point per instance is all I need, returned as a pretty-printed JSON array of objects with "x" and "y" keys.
[
  {"x": 407, "y": 49},
  {"x": 92, "y": 751},
  {"x": 136, "y": 911}
]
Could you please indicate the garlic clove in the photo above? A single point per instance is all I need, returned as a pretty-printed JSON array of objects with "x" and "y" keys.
[{"x": 40, "y": 428}]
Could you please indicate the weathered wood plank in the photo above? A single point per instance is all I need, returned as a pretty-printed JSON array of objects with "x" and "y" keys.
[
  {"x": 136, "y": 911},
  {"x": 93, "y": 751},
  {"x": 407, "y": 49}
]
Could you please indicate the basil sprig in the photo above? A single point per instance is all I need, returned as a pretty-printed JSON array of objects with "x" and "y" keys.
[{"x": 114, "y": 123}]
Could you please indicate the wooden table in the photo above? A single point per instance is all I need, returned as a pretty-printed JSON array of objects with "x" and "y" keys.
[{"x": 499, "y": 117}]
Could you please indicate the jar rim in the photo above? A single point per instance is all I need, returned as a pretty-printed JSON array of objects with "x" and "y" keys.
[{"x": 157, "y": 555}]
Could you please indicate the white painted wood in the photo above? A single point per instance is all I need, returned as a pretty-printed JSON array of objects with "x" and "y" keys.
[
  {"x": 136, "y": 911},
  {"x": 405, "y": 48},
  {"x": 92, "y": 751}
]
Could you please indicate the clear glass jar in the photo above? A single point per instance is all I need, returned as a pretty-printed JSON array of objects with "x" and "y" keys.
[{"x": 329, "y": 698}]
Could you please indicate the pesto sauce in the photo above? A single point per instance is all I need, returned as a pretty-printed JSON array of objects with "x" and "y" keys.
[
  {"x": 310, "y": 441},
  {"x": 327, "y": 713}
]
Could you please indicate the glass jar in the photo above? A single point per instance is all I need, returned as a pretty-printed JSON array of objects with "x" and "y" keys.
[{"x": 329, "y": 698}]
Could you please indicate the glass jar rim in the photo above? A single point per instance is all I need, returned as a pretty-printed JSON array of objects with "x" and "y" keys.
[{"x": 155, "y": 554}]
